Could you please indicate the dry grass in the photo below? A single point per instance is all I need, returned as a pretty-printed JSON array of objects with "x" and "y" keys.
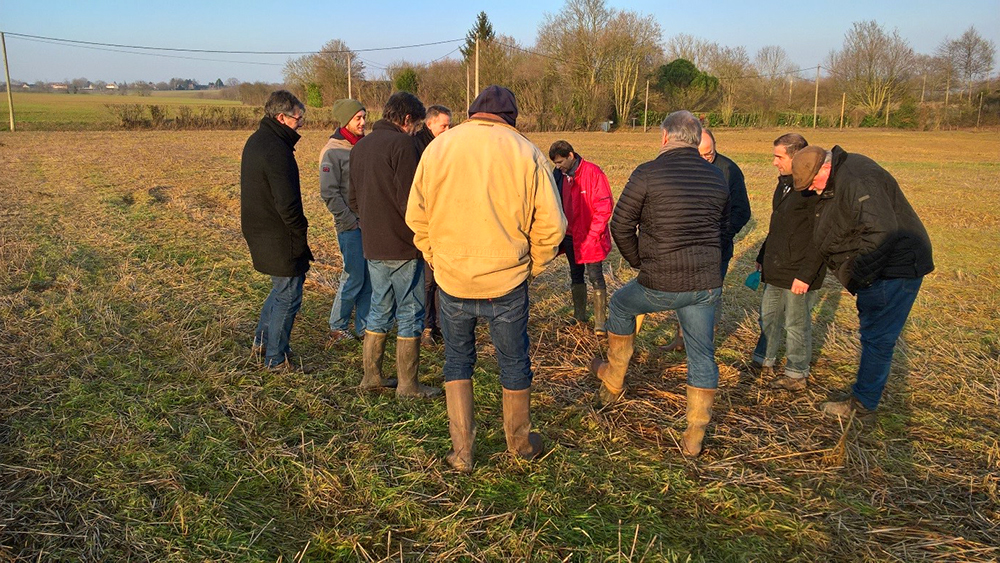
[{"x": 135, "y": 425}]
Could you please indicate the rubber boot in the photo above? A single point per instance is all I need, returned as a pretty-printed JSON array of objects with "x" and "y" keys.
[
  {"x": 612, "y": 372},
  {"x": 521, "y": 441},
  {"x": 461, "y": 424},
  {"x": 699, "y": 413},
  {"x": 677, "y": 344},
  {"x": 407, "y": 362},
  {"x": 373, "y": 352},
  {"x": 600, "y": 311},
  {"x": 580, "y": 302}
]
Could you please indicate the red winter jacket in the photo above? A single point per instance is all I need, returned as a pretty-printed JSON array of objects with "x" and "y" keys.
[{"x": 588, "y": 204}]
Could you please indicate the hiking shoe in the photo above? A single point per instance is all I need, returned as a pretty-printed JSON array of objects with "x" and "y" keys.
[
  {"x": 290, "y": 366},
  {"x": 338, "y": 335},
  {"x": 844, "y": 409},
  {"x": 789, "y": 383}
]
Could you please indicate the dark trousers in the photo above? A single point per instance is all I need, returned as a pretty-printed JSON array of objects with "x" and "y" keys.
[
  {"x": 432, "y": 305},
  {"x": 594, "y": 270}
]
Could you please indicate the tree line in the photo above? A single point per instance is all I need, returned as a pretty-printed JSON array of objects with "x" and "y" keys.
[{"x": 592, "y": 63}]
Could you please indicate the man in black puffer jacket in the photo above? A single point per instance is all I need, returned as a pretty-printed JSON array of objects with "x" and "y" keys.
[
  {"x": 869, "y": 235},
  {"x": 792, "y": 270},
  {"x": 669, "y": 223},
  {"x": 273, "y": 223}
]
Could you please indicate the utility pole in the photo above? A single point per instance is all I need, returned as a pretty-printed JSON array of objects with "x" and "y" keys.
[
  {"x": 887, "y": 109},
  {"x": 645, "y": 112},
  {"x": 790, "y": 78},
  {"x": 349, "y": 75},
  {"x": 816, "y": 98},
  {"x": 977, "y": 118},
  {"x": 6, "y": 71},
  {"x": 947, "y": 92},
  {"x": 477, "y": 65},
  {"x": 923, "y": 89},
  {"x": 843, "y": 104},
  {"x": 467, "y": 90}
]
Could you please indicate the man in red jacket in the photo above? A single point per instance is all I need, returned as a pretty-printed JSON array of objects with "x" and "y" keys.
[{"x": 587, "y": 204}]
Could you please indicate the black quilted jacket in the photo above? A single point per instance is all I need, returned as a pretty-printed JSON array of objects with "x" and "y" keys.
[
  {"x": 669, "y": 221},
  {"x": 866, "y": 230}
]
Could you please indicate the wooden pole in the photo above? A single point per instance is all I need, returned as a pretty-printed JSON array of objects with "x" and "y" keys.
[
  {"x": 467, "y": 103},
  {"x": 887, "y": 110},
  {"x": 645, "y": 112},
  {"x": 947, "y": 92},
  {"x": 843, "y": 104},
  {"x": 6, "y": 71},
  {"x": 349, "y": 75},
  {"x": 790, "y": 78},
  {"x": 977, "y": 118},
  {"x": 816, "y": 99},
  {"x": 477, "y": 65},
  {"x": 923, "y": 89}
]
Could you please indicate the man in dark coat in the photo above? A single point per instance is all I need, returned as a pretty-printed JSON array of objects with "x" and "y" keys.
[
  {"x": 382, "y": 166},
  {"x": 438, "y": 121},
  {"x": 274, "y": 225},
  {"x": 872, "y": 239},
  {"x": 792, "y": 270},
  {"x": 668, "y": 224}
]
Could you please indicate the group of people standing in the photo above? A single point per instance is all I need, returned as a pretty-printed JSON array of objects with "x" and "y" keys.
[{"x": 440, "y": 227}]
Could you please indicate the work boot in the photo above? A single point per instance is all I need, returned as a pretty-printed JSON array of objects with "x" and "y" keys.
[
  {"x": 846, "y": 408},
  {"x": 677, "y": 344},
  {"x": 699, "y": 413},
  {"x": 461, "y": 424},
  {"x": 611, "y": 373},
  {"x": 580, "y": 302},
  {"x": 789, "y": 383},
  {"x": 407, "y": 362},
  {"x": 521, "y": 441},
  {"x": 428, "y": 338},
  {"x": 373, "y": 352},
  {"x": 600, "y": 311}
]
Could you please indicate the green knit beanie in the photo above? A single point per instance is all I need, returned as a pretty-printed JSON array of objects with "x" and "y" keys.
[{"x": 345, "y": 110}]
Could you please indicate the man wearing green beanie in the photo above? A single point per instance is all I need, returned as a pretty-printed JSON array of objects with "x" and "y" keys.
[{"x": 354, "y": 293}]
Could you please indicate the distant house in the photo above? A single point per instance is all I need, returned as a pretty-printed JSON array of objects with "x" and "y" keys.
[
  {"x": 60, "y": 86},
  {"x": 111, "y": 86},
  {"x": 88, "y": 87},
  {"x": 26, "y": 86}
]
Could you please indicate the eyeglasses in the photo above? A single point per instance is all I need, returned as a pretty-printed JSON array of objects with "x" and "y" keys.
[{"x": 297, "y": 118}]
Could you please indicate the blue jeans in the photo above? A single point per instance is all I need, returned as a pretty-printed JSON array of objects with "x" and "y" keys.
[
  {"x": 882, "y": 311},
  {"x": 780, "y": 309},
  {"x": 355, "y": 291},
  {"x": 397, "y": 296},
  {"x": 274, "y": 329},
  {"x": 696, "y": 313},
  {"x": 508, "y": 318}
]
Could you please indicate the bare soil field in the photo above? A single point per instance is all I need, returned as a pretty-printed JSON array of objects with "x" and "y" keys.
[{"x": 136, "y": 425}]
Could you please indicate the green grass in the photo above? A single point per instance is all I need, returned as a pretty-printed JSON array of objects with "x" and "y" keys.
[
  {"x": 54, "y": 111},
  {"x": 135, "y": 425}
]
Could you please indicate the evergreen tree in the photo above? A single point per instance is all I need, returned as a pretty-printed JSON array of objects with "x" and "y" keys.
[{"x": 482, "y": 29}]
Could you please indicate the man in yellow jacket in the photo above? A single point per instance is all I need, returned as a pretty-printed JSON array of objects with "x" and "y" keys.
[{"x": 486, "y": 215}]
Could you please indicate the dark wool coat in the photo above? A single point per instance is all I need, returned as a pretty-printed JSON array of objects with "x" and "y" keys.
[
  {"x": 866, "y": 230},
  {"x": 422, "y": 139},
  {"x": 739, "y": 202},
  {"x": 788, "y": 252},
  {"x": 680, "y": 204},
  {"x": 271, "y": 216},
  {"x": 382, "y": 168}
]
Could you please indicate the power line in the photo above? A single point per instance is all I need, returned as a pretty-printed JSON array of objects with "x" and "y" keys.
[
  {"x": 227, "y": 52},
  {"x": 161, "y": 55}
]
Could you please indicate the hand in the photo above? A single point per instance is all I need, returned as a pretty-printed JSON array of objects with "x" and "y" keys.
[
  {"x": 759, "y": 267},
  {"x": 799, "y": 287}
]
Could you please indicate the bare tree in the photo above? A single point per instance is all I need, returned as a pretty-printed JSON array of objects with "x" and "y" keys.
[
  {"x": 731, "y": 65},
  {"x": 328, "y": 68},
  {"x": 773, "y": 66},
  {"x": 633, "y": 44},
  {"x": 689, "y": 48},
  {"x": 873, "y": 66},
  {"x": 970, "y": 55}
]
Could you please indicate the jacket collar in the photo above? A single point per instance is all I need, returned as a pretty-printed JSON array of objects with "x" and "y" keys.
[
  {"x": 386, "y": 125},
  {"x": 839, "y": 155},
  {"x": 282, "y": 131}
]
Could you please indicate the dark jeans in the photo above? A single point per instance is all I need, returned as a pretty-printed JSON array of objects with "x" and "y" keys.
[
  {"x": 696, "y": 313},
  {"x": 432, "y": 305},
  {"x": 274, "y": 329},
  {"x": 883, "y": 309},
  {"x": 594, "y": 270},
  {"x": 355, "y": 291},
  {"x": 508, "y": 319}
]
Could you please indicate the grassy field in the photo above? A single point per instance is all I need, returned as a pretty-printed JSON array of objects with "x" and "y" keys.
[
  {"x": 135, "y": 425},
  {"x": 34, "y": 111}
]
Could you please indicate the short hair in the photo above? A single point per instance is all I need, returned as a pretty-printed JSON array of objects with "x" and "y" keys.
[
  {"x": 560, "y": 148},
  {"x": 282, "y": 101},
  {"x": 683, "y": 126},
  {"x": 708, "y": 132},
  {"x": 402, "y": 104},
  {"x": 437, "y": 110},
  {"x": 793, "y": 143}
]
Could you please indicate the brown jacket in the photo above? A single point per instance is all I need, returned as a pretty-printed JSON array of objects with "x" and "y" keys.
[{"x": 484, "y": 209}]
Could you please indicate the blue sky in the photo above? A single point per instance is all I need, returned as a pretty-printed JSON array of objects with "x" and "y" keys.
[{"x": 808, "y": 31}]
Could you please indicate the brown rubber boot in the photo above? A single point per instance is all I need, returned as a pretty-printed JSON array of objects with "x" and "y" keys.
[
  {"x": 677, "y": 344},
  {"x": 580, "y": 302},
  {"x": 521, "y": 441},
  {"x": 699, "y": 413},
  {"x": 407, "y": 362},
  {"x": 600, "y": 311},
  {"x": 612, "y": 372},
  {"x": 461, "y": 424},
  {"x": 373, "y": 352}
]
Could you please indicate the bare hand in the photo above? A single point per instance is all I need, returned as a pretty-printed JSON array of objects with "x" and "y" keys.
[
  {"x": 799, "y": 287},
  {"x": 758, "y": 266}
]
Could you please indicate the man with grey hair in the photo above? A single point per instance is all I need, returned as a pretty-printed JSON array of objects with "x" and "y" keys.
[
  {"x": 668, "y": 224},
  {"x": 274, "y": 225}
]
